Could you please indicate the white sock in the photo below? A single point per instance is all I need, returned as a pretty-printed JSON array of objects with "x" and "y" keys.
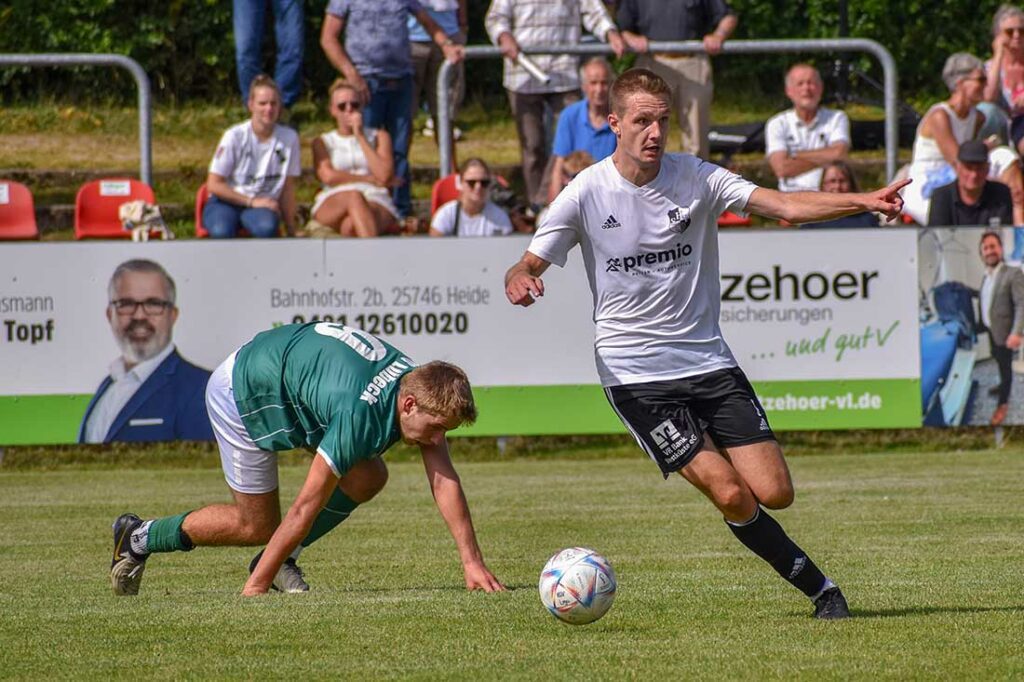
[
  {"x": 827, "y": 585},
  {"x": 139, "y": 540}
]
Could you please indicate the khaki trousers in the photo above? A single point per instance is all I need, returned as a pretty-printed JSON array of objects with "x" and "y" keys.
[{"x": 689, "y": 76}]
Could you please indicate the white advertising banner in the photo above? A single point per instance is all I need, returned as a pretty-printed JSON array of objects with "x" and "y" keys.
[{"x": 798, "y": 308}]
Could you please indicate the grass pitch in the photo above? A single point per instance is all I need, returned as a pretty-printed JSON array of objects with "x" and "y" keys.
[{"x": 927, "y": 548}]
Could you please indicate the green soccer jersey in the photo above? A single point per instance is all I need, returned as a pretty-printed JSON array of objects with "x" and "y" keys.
[{"x": 320, "y": 385}]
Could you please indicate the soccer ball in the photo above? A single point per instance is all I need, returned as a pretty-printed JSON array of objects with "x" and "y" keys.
[{"x": 577, "y": 585}]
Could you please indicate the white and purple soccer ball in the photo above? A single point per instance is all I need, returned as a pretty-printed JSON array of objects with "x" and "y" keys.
[{"x": 577, "y": 585}]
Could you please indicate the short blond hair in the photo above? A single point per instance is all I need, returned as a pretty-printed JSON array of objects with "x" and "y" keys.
[
  {"x": 442, "y": 389},
  {"x": 340, "y": 84},
  {"x": 634, "y": 81}
]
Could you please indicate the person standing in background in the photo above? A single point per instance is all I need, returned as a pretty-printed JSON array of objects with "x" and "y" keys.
[
  {"x": 289, "y": 35},
  {"x": 689, "y": 75}
]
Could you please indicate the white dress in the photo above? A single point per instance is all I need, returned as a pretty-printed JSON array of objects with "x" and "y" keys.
[
  {"x": 346, "y": 155},
  {"x": 928, "y": 168}
]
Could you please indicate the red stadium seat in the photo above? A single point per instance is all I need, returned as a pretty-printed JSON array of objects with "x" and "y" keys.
[
  {"x": 98, "y": 201},
  {"x": 730, "y": 219},
  {"x": 447, "y": 189},
  {"x": 201, "y": 197},
  {"x": 17, "y": 212}
]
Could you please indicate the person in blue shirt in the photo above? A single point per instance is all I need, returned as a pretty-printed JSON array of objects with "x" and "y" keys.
[{"x": 583, "y": 126}]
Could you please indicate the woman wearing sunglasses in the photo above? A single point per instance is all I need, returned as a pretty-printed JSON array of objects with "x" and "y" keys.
[
  {"x": 1005, "y": 70},
  {"x": 473, "y": 214},
  {"x": 356, "y": 168}
]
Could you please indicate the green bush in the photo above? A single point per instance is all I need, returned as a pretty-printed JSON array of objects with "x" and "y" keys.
[{"x": 187, "y": 48}]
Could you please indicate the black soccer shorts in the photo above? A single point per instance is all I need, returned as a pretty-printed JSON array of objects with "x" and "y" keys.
[{"x": 669, "y": 418}]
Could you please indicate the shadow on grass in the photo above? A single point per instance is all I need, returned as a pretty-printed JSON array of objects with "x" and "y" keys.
[
  {"x": 928, "y": 611},
  {"x": 444, "y": 588}
]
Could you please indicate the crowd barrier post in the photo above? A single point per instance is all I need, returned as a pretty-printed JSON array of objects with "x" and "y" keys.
[{"x": 115, "y": 60}]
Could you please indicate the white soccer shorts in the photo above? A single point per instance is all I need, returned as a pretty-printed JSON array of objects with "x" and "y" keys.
[{"x": 247, "y": 468}]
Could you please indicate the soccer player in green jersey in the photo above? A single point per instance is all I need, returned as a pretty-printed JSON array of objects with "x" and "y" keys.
[{"x": 341, "y": 392}]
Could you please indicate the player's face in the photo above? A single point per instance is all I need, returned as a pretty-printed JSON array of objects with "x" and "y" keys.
[
  {"x": 141, "y": 315},
  {"x": 596, "y": 83},
  {"x": 265, "y": 106},
  {"x": 991, "y": 251},
  {"x": 804, "y": 88},
  {"x": 420, "y": 427},
  {"x": 643, "y": 128}
]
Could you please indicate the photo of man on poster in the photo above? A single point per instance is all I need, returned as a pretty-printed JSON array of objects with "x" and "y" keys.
[{"x": 151, "y": 393}]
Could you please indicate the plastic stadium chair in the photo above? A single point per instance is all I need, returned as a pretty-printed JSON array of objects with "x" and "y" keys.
[
  {"x": 730, "y": 219},
  {"x": 447, "y": 189},
  {"x": 202, "y": 195},
  {"x": 17, "y": 212},
  {"x": 98, "y": 201}
]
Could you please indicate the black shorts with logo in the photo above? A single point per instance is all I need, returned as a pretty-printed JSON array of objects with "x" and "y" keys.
[{"x": 669, "y": 418}]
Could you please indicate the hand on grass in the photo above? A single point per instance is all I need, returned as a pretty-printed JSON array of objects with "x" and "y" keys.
[{"x": 479, "y": 578}]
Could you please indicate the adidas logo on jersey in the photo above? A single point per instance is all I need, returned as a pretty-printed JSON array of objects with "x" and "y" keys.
[{"x": 611, "y": 223}]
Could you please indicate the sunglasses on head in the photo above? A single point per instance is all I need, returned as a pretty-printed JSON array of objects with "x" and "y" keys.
[
  {"x": 349, "y": 106},
  {"x": 483, "y": 182}
]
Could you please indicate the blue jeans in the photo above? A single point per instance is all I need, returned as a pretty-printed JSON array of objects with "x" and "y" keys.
[
  {"x": 222, "y": 220},
  {"x": 390, "y": 108},
  {"x": 289, "y": 34}
]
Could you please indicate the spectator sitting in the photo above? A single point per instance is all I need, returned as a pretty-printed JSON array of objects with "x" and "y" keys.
[
  {"x": 473, "y": 214},
  {"x": 583, "y": 126},
  {"x": 572, "y": 166},
  {"x": 801, "y": 141},
  {"x": 838, "y": 177},
  {"x": 376, "y": 59},
  {"x": 1005, "y": 70},
  {"x": 515, "y": 24},
  {"x": 971, "y": 199},
  {"x": 356, "y": 167},
  {"x": 943, "y": 129},
  {"x": 252, "y": 175}
]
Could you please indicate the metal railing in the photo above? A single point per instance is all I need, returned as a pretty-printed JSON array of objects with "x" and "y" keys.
[
  {"x": 694, "y": 47},
  {"x": 132, "y": 66}
]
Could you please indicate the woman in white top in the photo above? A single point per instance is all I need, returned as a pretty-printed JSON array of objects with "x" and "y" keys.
[
  {"x": 473, "y": 214},
  {"x": 943, "y": 129},
  {"x": 251, "y": 181},
  {"x": 357, "y": 170}
]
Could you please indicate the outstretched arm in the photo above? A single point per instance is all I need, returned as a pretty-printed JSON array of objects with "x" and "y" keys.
[
  {"x": 451, "y": 502},
  {"x": 813, "y": 207},
  {"x": 522, "y": 281},
  {"x": 320, "y": 483}
]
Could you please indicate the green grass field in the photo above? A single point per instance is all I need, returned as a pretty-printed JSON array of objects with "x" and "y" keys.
[{"x": 927, "y": 547}]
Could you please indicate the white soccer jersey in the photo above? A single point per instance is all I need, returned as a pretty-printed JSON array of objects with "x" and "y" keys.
[
  {"x": 786, "y": 132},
  {"x": 651, "y": 255},
  {"x": 254, "y": 168}
]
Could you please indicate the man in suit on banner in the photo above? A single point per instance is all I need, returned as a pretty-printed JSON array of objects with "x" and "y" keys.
[
  {"x": 1001, "y": 304},
  {"x": 151, "y": 393}
]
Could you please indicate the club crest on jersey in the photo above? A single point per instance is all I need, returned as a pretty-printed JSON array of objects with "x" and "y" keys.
[{"x": 679, "y": 219}]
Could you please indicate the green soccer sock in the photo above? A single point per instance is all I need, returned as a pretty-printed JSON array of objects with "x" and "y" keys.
[
  {"x": 166, "y": 535},
  {"x": 334, "y": 512}
]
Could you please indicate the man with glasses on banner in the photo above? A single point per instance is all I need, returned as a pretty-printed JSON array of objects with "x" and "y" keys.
[{"x": 151, "y": 393}]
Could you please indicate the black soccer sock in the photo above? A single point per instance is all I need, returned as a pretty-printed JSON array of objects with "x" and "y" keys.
[{"x": 763, "y": 536}]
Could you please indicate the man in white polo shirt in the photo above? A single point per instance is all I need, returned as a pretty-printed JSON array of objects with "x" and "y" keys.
[
  {"x": 646, "y": 223},
  {"x": 799, "y": 142}
]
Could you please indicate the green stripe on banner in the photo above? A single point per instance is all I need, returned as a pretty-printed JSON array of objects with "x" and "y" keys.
[
  {"x": 554, "y": 410},
  {"x": 41, "y": 419}
]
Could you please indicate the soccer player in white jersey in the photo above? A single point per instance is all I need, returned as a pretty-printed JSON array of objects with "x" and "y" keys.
[{"x": 646, "y": 223}]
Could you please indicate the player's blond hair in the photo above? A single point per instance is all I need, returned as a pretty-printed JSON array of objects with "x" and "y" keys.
[
  {"x": 442, "y": 389},
  {"x": 634, "y": 81}
]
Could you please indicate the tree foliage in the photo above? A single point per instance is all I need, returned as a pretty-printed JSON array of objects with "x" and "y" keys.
[{"x": 186, "y": 46}]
